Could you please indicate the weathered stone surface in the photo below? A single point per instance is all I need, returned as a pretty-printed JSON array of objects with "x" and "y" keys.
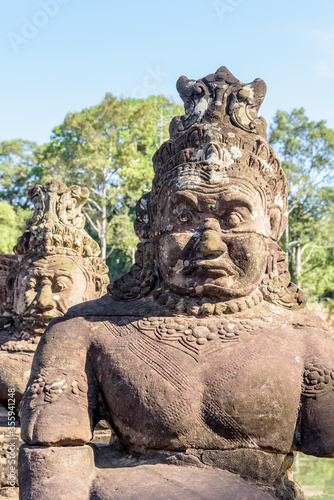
[
  {"x": 205, "y": 349},
  {"x": 128, "y": 479},
  {"x": 9, "y": 448}
]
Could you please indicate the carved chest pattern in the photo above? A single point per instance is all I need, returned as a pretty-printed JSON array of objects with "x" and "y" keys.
[{"x": 199, "y": 336}]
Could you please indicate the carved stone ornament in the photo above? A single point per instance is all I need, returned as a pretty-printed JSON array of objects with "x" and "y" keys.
[
  {"x": 203, "y": 358},
  {"x": 57, "y": 225}
]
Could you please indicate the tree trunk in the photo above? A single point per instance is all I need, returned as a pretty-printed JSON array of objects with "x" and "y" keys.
[
  {"x": 103, "y": 237},
  {"x": 298, "y": 264}
]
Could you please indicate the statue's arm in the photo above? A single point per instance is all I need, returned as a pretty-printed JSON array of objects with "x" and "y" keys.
[
  {"x": 317, "y": 402},
  {"x": 61, "y": 396},
  {"x": 57, "y": 414}
]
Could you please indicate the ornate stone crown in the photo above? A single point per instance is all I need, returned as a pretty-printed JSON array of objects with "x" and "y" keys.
[
  {"x": 57, "y": 225},
  {"x": 219, "y": 136}
]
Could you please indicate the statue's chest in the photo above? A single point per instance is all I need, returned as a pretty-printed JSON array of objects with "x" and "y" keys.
[{"x": 190, "y": 375}]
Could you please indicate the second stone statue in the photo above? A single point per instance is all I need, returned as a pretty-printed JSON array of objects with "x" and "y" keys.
[{"x": 56, "y": 265}]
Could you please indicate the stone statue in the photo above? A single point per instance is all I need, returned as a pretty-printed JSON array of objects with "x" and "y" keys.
[
  {"x": 56, "y": 266},
  {"x": 203, "y": 357}
]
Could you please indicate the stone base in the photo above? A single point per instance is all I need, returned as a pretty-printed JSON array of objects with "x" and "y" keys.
[
  {"x": 12, "y": 493},
  {"x": 102, "y": 436},
  {"x": 162, "y": 482},
  {"x": 100, "y": 472}
]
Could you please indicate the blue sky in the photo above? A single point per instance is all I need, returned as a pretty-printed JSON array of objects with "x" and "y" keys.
[{"x": 59, "y": 56}]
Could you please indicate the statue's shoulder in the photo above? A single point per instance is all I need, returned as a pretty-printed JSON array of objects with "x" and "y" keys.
[
  {"x": 101, "y": 307},
  {"x": 107, "y": 308},
  {"x": 78, "y": 325},
  {"x": 314, "y": 330}
]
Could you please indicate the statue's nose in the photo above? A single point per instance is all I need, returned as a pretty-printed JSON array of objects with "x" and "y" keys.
[
  {"x": 44, "y": 299},
  {"x": 210, "y": 243}
]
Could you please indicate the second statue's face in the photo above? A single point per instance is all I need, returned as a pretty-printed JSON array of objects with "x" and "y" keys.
[
  {"x": 214, "y": 243},
  {"x": 48, "y": 286}
]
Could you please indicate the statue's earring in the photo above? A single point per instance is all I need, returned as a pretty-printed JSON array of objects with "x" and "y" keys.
[
  {"x": 271, "y": 286},
  {"x": 276, "y": 286}
]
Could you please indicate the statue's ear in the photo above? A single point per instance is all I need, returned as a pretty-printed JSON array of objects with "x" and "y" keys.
[
  {"x": 277, "y": 222},
  {"x": 98, "y": 286},
  {"x": 143, "y": 222},
  {"x": 98, "y": 277}
]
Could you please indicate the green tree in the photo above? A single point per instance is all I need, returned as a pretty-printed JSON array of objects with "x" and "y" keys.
[
  {"x": 12, "y": 222},
  {"x": 315, "y": 475},
  {"x": 306, "y": 149},
  {"x": 17, "y": 170},
  {"x": 109, "y": 147}
]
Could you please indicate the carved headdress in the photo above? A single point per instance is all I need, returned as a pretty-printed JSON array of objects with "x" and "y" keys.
[
  {"x": 57, "y": 225},
  {"x": 220, "y": 137}
]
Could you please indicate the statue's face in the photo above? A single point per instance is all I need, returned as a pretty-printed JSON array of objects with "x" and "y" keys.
[
  {"x": 214, "y": 244},
  {"x": 48, "y": 286}
]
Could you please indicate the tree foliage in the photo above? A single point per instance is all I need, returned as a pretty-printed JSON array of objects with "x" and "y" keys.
[
  {"x": 12, "y": 222},
  {"x": 17, "y": 170},
  {"x": 306, "y": 149}
]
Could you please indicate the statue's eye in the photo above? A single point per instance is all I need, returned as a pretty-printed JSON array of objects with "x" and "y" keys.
[
  {"x": 234, "y": 219},
  {"x": 59, "y": 286},
  {"x": 184, "y": 216},
  {"x": 31, "y": 283}
]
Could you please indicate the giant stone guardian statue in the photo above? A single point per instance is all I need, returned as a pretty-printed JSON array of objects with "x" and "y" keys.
[
  {"x": 56, "y": 265},
  {"x": 204, "y": 358}
]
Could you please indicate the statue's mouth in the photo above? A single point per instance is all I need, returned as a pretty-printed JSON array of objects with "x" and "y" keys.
[
  {"x": 218, "y": 266},
  {"x": 214, "y": 271}
]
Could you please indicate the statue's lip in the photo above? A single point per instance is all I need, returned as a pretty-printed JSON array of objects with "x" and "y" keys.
[
  {"x": 216, "y": 266},
  {"x": 216, "y": 271}
]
